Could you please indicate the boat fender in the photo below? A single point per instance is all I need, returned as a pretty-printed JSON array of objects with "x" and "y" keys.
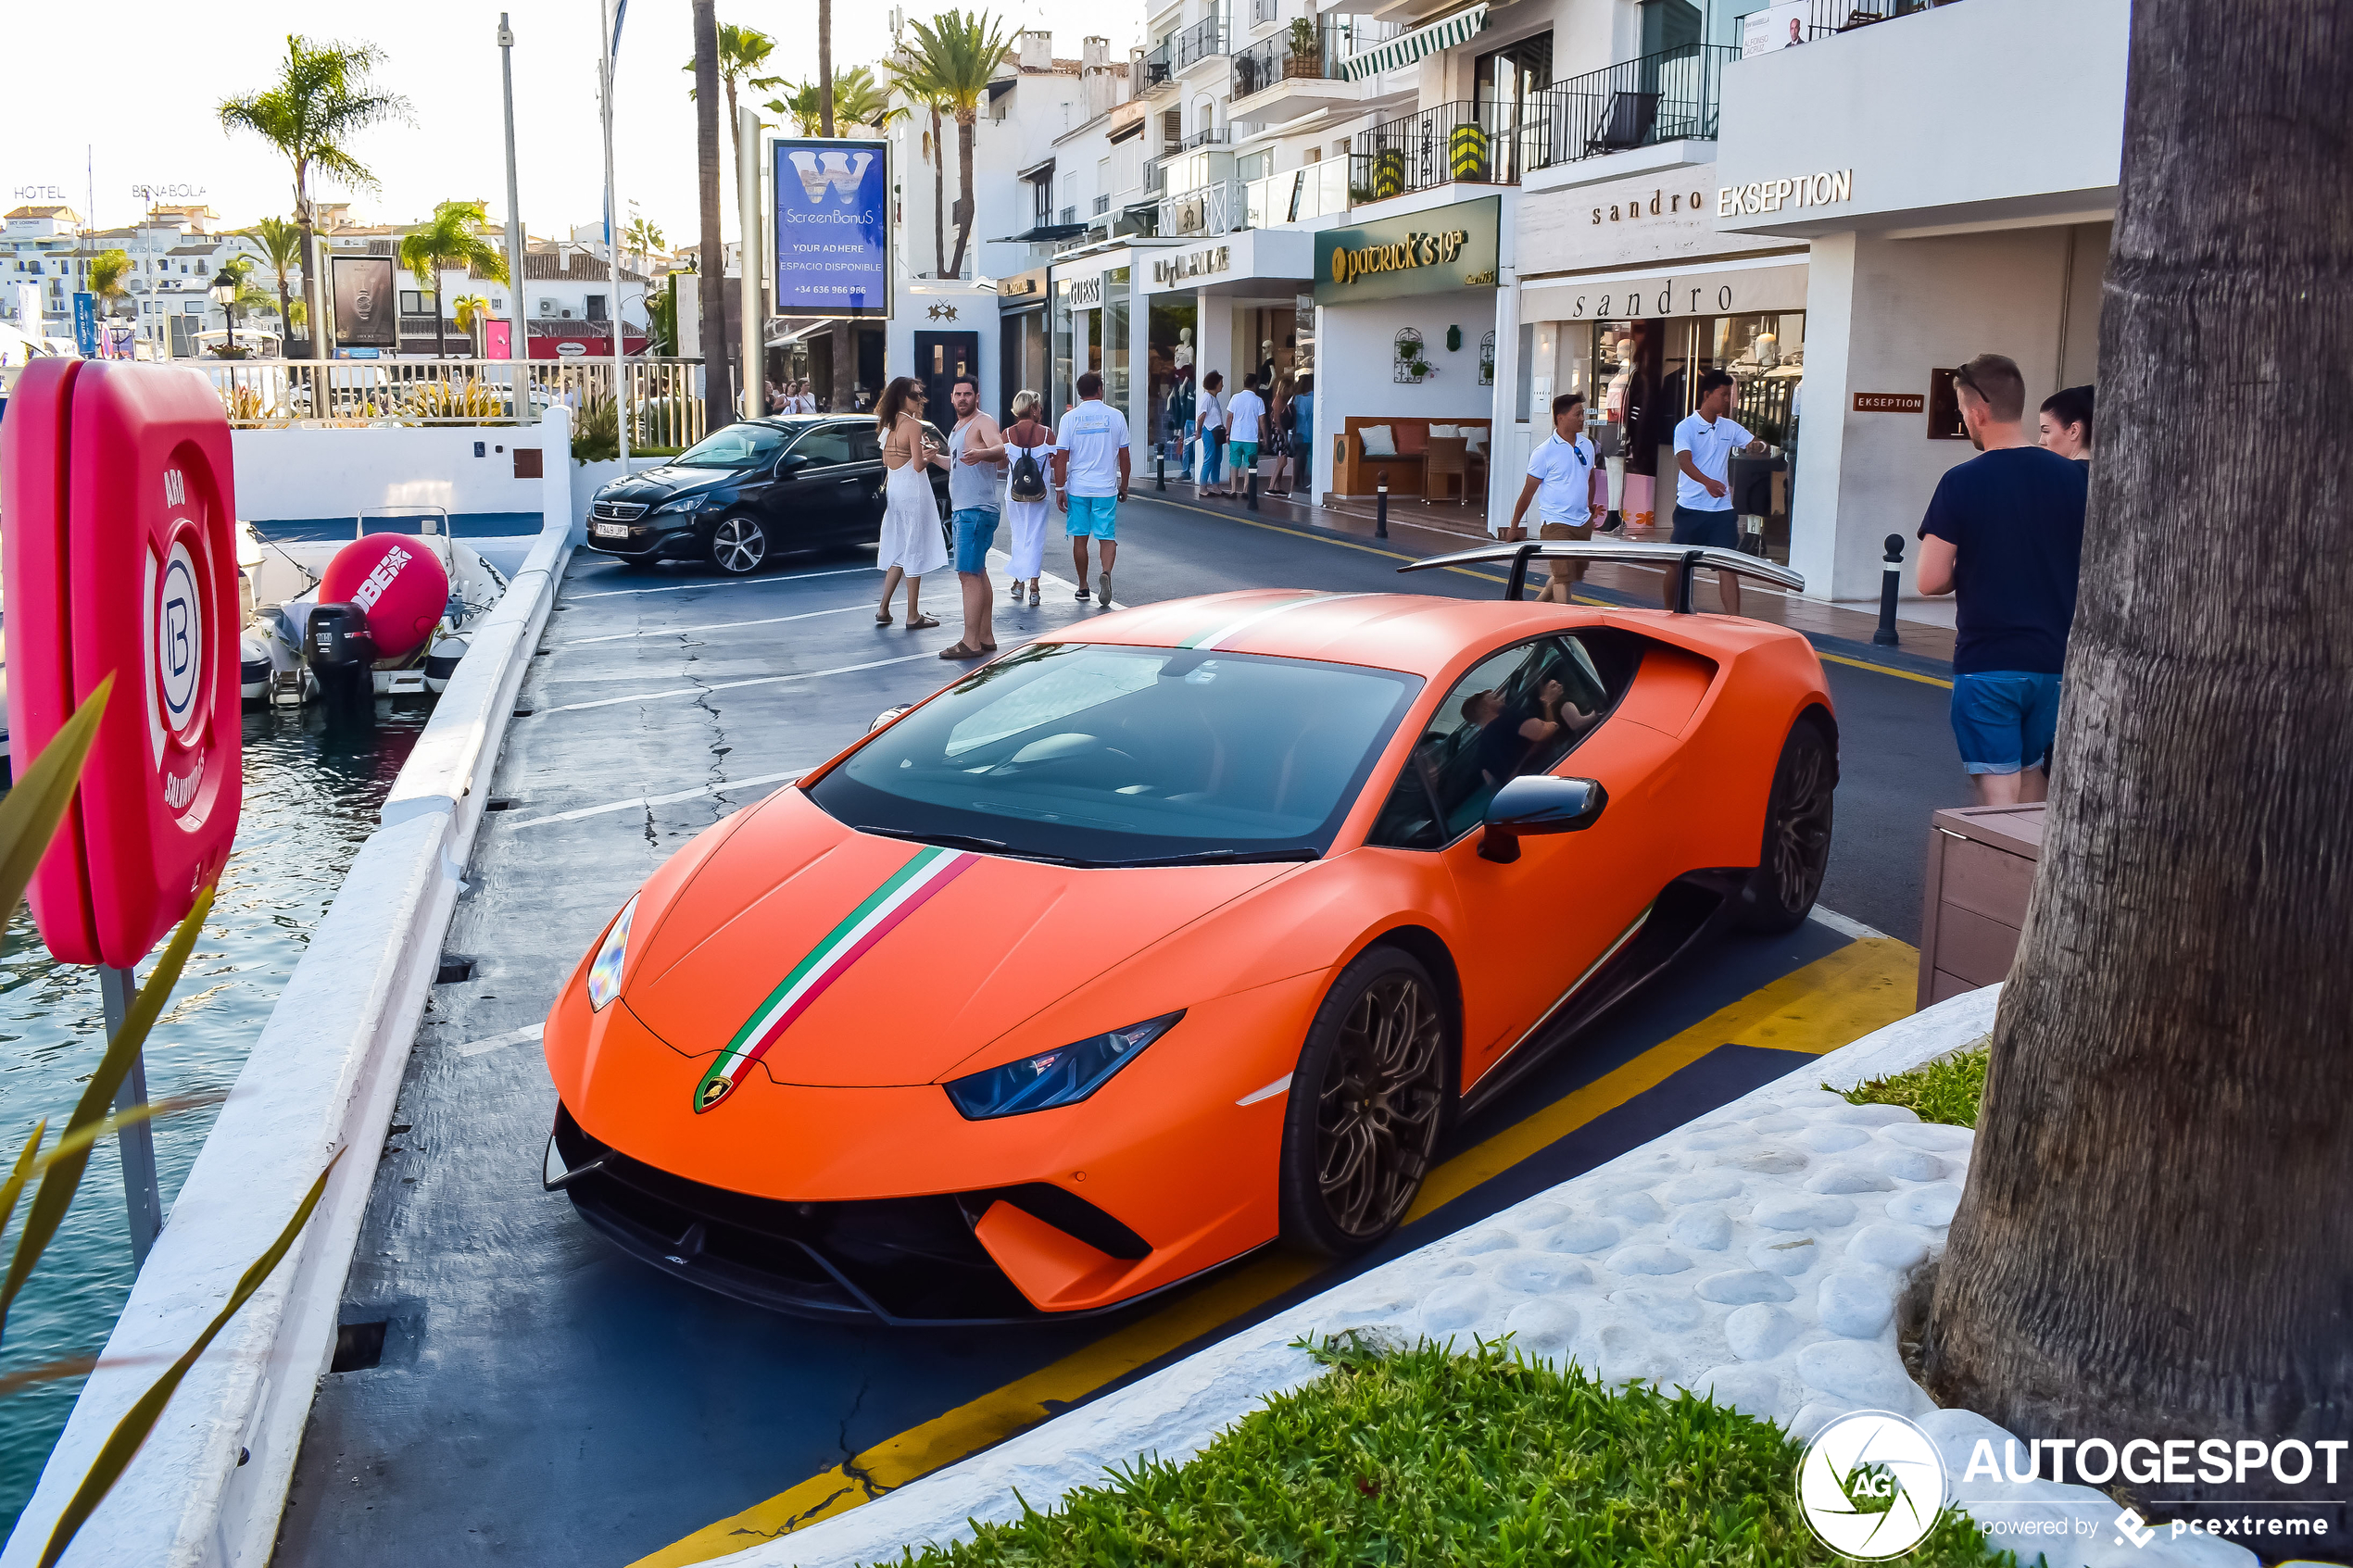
[
  {"x": 397, "y": 582},
  {"x": 253, "y": 666},
  {"x": 441, "y": 663}
]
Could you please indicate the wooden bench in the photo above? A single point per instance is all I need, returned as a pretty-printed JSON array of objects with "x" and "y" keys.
[{"x": 1354, "y": 473}]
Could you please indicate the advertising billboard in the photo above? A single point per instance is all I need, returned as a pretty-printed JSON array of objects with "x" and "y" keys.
[
  {"x": 831, "y": 201},
  {"x": 366, "y": 307}
]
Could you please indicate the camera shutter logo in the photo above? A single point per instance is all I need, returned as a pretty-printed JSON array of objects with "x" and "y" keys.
[{"x": 1871, "y": 1485}]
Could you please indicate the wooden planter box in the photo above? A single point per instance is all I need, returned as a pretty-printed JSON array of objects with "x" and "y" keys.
[{"x": 1980, "y": 869}]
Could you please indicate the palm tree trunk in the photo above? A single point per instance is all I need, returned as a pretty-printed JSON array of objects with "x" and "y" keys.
[
  {"x": 2154, "y": 1241},
  {"x": 938, "y": 198},
  {"x": 964, "y": 119},
  {"x": 825, "y": 67},
  {"x": 718, "y": 391},
  {"x": 440, "y": 321},
  {"x": 314, "y": 298}
]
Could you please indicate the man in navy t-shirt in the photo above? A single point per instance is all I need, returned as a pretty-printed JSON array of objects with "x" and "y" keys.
[{"x": 2004, "y": 535}]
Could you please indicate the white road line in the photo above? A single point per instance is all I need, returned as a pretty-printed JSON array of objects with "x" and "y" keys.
[
  {"x": 1854, "y": 929},
  {"x": 500, "y": 1042},
  {"x": 637, "y": 802},
  {"x": 721, "y": 582},
  {"x": 712, "y": 626},
  {"x": 731, "y": 685}
]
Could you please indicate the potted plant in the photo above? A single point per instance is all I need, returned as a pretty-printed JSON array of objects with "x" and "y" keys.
[{"x": 1302, "y": 48}]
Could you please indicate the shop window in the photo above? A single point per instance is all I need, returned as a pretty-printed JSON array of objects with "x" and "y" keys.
[{"x": 1255, "y": 166}]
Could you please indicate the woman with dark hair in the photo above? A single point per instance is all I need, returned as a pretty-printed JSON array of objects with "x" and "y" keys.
[
  {"x": 912, "y": 543},
  {"x": 2065, "y": 425}
]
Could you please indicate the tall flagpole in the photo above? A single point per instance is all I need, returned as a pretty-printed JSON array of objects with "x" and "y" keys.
[
  {"x": 518, "y": 347},
  {"x": 610, "y": 28}
]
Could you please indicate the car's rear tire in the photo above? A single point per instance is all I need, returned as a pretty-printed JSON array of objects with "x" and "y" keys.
[
  {"x": 1796, "y": 848},
  {"x": 1367, "y": 1102},
  {"x": 739, "y": 546}
]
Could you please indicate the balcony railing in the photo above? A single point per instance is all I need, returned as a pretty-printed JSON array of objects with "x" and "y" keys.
[
  {"x": 1208, "y": 136},
  {"x": 1456, "y": 143},
  {"x": 1152, "y": 69},
  {"x": 1825, "y": 18},
  {"x": 1671, "y": 97},
  {"x": 1290, "y": 57},
  {"x": 1202, "y": 40},
  {"x": 1296, "y": 194},
  {"x": 1203, "y": 210}
]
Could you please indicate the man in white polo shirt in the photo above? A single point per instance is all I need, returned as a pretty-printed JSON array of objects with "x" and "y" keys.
[
  {"x": 1245, "y": 415},
  {"x": 1567, "y": 486},
  {"x": 1704, "y": 447},
  {"x": 1090, "y": 469}
]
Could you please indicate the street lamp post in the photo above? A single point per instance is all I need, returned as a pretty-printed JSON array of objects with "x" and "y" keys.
[{"x": 224, "y": 294}]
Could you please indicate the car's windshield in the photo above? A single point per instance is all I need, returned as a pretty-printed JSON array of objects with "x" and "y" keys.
[
  {"x": 1102, "y": 754},
  {"x": 737, "y": 446}
]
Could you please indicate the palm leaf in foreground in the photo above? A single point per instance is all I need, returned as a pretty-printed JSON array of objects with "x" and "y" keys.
[{"x": 114, "y": 1458}]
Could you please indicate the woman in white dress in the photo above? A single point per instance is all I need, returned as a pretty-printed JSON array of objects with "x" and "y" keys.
[
  {"x": 911, "y": 543},
  {"x": 1025, "y": 435}
]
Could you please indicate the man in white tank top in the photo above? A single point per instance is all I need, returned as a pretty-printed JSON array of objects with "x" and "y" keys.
[{"x": 976, "y": 490}]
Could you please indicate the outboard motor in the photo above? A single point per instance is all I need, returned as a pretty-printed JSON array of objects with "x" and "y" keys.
[{"x": 342, "y": 656}]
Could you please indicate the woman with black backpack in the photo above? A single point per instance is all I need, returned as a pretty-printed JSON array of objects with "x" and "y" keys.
[{"x": 1030, "y": 446}]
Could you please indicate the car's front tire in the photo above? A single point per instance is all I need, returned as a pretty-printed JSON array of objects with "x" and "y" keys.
[
  {"x": 739, "y": 546},
  {"x": 1796, "y": 848},
  {"x": 1367, "y": 1101}
]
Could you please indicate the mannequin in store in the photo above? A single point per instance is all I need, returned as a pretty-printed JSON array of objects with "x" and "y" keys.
[
  {"x": 1267, "y": 362},
  {"x": 1767, "y": 349},
  {"x": 1182, "y": 354}
]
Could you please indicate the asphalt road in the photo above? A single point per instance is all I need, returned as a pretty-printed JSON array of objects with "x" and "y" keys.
[{"x": 541, "y": 1398}]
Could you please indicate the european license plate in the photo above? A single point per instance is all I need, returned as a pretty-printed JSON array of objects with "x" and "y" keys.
[{"x": 612, "y": 531}]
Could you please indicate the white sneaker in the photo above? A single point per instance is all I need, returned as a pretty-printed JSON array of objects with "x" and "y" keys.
[{"x": 1103, "y": 590}]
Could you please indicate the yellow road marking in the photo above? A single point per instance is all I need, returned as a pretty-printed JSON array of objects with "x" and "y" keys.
[
  {"x": 1883, "y": 668},
  {"x": 1827, "y": 1004}
]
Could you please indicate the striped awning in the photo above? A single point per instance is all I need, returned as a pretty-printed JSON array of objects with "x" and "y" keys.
[{"x": 1424, "y": 41}]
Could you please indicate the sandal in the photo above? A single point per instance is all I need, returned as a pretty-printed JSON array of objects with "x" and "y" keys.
[
  {"x": 921, "y": 623},
  {"x": 963, "y": 651},
  {"x": 882, "y": 617}
]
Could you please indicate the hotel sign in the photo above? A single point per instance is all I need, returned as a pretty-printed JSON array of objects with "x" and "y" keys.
[
  {"x": 1447, "y": 247},
  {"x": 1772, "y": 196}
]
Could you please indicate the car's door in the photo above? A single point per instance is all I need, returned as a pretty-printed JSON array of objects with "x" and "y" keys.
[
  {"x": 806, "y": 508},
  {"x": 860, "y": 521},
  {"x": 1527, "y": 929}
]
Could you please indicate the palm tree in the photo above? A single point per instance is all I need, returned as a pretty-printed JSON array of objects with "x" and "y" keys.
[
  {"x": 107, "y": 268},
  {"x": 2153, "y": 1239},
  {"x": 825, "y": 67},
  {"x": 911, "y": 78},
  {"x": 955, "y": 54},
  {"x": 641, "y": 238},
  {"x": 322, "y": 97},
  {"x": 719, "y": 401},
  {"x": 742, "y": 51},
  {"x": 453, "y": 238},
  {"x": 469, "y": 310},
  {"x": 858, "y": 100},
  {"x": 280, "y": 243}
]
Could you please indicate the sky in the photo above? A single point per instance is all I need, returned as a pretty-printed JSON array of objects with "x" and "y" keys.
[{"x": 152, "y": 119}]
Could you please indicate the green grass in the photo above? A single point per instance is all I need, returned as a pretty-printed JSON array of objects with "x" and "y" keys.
[
  {"x": 1948, "y": 1089},
  {"x": 1426, "y": 1457}
]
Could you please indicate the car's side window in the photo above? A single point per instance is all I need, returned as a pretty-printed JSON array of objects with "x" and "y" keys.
[
  {"x": 826, "y": 444},
  {"x": 865, "y": 443},
  {"x": 1518, "y": 711}
]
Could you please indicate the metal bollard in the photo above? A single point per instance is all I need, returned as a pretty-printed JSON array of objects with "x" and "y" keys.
[
  {"x": 1380, "y": 507},
  {"x": 1890, "y": 586},
  {"x": 1253, "y": 487},
  {"x": 1160, "y": 469}
]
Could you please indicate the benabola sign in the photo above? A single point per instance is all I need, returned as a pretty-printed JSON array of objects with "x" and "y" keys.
[{"x": 120, "y": 559}]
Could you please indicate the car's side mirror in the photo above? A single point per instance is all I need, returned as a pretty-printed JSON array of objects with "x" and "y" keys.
[
  {"x": 790, "y": 464},
  {"x": 1536, "y": 805}
]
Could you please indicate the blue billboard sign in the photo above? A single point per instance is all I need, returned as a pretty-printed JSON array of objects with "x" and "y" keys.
[
  {"x": 85, "y": 325},
  {"x": 831, "y": 201}
]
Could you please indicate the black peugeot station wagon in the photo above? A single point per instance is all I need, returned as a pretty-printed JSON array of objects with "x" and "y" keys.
[{"x": 757, "y": 489}]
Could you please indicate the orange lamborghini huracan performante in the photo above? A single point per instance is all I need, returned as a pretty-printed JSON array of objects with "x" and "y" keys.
[{"x": 1173, "y": 934}]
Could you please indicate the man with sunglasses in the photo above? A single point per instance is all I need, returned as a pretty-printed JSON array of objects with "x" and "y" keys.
[{"x": 2003, "y": 535}]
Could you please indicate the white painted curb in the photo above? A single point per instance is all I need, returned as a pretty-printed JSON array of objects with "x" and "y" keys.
[
  {"x": 209, "y": 1486},
  {"x": 1176, "y": 1411}
]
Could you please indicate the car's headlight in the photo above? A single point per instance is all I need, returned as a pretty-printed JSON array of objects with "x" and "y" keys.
[
  {"x": 604, "y": 970},
  {"x": 1055, "y": 1077},
  {"x": 687, "y": 508}
]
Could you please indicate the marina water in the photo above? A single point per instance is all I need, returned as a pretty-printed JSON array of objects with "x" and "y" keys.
[{"x": 310, "y": 800}]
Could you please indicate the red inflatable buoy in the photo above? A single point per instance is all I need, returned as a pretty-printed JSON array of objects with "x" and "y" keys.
[{"x": 397, "y": 582}]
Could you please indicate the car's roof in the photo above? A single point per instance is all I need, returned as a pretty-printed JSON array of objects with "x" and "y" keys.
[{"x": 1419, "y": 633}]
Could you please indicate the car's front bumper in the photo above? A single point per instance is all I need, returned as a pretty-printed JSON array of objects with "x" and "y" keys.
[{"x": 645, "y": 542}]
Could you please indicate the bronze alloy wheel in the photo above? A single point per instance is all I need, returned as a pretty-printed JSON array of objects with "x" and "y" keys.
[
  {"x": 1797, "y": 833},
  {"x": 1368, "y": 1103}
]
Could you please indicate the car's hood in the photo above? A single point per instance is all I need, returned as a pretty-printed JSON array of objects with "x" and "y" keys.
[
  {"x": 669, "y": 482},
  {"x": 843, "y": 959}
]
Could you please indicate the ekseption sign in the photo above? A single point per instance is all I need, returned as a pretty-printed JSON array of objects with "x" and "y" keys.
[{"x": 831, "y": 201}]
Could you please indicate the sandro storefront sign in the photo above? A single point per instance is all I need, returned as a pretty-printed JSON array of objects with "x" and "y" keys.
[{"x": 1446, "y": 247}]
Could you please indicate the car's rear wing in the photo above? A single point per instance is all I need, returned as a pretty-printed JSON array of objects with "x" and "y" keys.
[{"x": 1681, "y": 560}]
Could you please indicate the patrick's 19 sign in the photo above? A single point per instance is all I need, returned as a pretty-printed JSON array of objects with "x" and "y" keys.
[{"x": 120, "y": 559}]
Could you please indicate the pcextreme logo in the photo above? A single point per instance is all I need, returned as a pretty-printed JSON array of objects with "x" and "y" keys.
[{"x": 1871, "y": 1485}]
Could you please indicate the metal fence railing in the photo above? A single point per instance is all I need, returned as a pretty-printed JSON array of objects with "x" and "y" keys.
[
  {"x": 663, "y": 396},
  {"x": 1448, "y": 144},
  {"x": 1293, "y": 56},
  {"x": 1152, "y": 69},
  {"x": 1204, "y": 40},
  {"x": 1203, "y": 210},
  {"x": 1827, "y": 17},
  {"x": 1296, "y": 194},
  {"x": 1669, "y": 97}
]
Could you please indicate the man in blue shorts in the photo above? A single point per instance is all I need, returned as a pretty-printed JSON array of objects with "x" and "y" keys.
[
  {"x": 1704, "y": 447},
  {"x": 2004, "y": 535},
  {"x": 1090, "y": 471}
]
